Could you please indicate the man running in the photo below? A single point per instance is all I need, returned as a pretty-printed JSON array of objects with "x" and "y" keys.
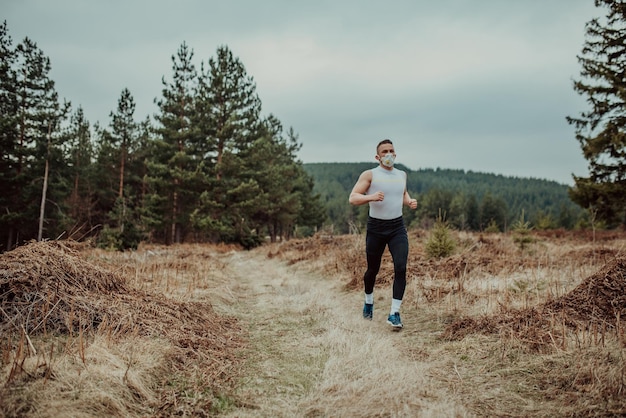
[{"x": 384, "y": 188}]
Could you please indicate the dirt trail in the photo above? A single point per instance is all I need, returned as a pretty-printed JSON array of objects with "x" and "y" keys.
[{"x": 312, "y": 354}]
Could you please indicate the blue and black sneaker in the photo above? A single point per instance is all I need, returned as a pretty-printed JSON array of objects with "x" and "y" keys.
[
  {"x": 368, "y": 311},
  {"x": 394, "y": 320}
]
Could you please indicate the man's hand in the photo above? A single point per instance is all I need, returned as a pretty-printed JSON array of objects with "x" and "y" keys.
[
  {"x": 413, "y": 203},
  {"x": 378, "y": 197}
]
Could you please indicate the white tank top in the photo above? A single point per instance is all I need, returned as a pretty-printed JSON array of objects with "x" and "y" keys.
[{"x": 392, "y": 183}]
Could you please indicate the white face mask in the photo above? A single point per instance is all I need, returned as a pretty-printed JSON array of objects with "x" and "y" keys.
[{"x": 387, "y": 160}]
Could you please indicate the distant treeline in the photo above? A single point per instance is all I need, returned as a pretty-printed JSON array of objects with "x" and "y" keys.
[{"x": 467, "y": 200}]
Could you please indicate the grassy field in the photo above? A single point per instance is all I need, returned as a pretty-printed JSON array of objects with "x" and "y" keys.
[{"x": 494, "y": 329}]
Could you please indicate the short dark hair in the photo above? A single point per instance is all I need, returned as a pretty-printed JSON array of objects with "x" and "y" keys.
[{"x": 384, "y": 141}]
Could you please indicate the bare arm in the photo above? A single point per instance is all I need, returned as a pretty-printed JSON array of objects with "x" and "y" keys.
[
  {"x": 358, "y": 196},
  {"x": 407, "y": 201}
]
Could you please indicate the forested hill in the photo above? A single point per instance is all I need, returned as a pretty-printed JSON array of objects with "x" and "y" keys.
[{"x": 469, "y": 200}]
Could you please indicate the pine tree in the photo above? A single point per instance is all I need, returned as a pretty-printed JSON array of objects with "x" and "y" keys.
[
  {"x": 473, "y": 213},
  {"x": 117, "y": 147},
  {"x": 80, "y": 173},
  {"x": 124, "y": 133},
  {"x": 174, "y": 163},
  {"x": 138, "y": 178},
  {"x": 9, "y": 186},
  {"x": 39, "y": 149},
  {"x": 458, "y": 211},
  {"x": 270, "y": 162},
  {"x": 229, "y": 124},
  {"x": 312, "y": 213},
  {"x": 493, "y": 212},
  {"x": 230, "y": 104},
  {"x": 433, "y": 203},
  {"x": 601, "y": 130},
  {"x": 522, "y": 232},
  {"x": 440, "y": 242}
]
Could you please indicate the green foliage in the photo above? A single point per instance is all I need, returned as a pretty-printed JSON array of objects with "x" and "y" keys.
[
  {"x": 473, "y": 201},
  {"x": 109, "y": 239},
  {"x": 492, "y": 227},
  {"x": 440, "y": 242},
  {"x": 600, "y": 130},
  {"x": 493, "y": 212},
  {"x": 120, "y": 239},
  {"x": 432, "y": 202},
  {"x": 208, "y": 168},
  {"x": 522, "y": 232},
  {"x": 544, "y": 221},
  {"x": 32, "y": 145},
  {"x": 125, "y": 232}
]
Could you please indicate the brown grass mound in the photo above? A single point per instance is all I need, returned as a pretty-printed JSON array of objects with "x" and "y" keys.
[
  {"x": 601, "y": 298},
  {"x": 46, "y": 287},
  {"x": 596, "y": 305}
]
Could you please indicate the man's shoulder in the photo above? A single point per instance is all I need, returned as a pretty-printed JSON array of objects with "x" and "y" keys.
[{"x": 367, "y": 173}]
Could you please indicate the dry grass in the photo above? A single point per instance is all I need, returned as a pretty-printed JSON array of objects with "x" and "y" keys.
[
  {"x": 60, "y": 308},
  {"x": 506, "y": 332},
  {"x": 198, "y": 330}
]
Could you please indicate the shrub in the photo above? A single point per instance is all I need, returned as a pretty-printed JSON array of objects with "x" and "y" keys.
[
  {"x": 521, "y": 232},
  {"x": 440, "y": 242}
]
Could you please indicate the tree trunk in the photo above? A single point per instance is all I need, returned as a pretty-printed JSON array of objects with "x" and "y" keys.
[
  {"x": 42, "y": 207},
  {"x": 120, "y": 192},
  {"x": 10, "y": 241},
  {"x": 173, "y": 234}
]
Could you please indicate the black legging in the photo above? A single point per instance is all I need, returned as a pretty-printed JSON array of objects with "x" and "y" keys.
[{"x": 382, "y": 233}]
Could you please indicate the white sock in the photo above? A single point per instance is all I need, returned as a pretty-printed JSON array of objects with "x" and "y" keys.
[
  {"x": 369, "y": 299},
  {"x": 395, "y": 306}
]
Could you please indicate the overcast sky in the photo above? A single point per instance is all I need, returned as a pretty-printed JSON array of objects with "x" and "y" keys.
[{"x": 481, "y": 85}]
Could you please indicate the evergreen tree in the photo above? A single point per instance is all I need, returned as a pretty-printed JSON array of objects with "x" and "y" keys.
[
  {"x": 312, "y": 213},
  {"x": 124, "y": 133},
  {"x": 566, "y": 217},
  {"x": 106, "y": 180},
  {"x": 139, "y": 179},
  {"x": 601, "y": 130},
  {"x": 229, "y": 124},
  {"x": 440, "y": 242},
  {"x": 458, "y": 212},
  {"x": 80, "y": 172},
  {"x": 117, "y": 146},
  {"x": 433, "y": 204},
  {"x": 473, "y": 213},
  {"x": 231, "y": 105},
  {"x": 493, "y": 212},
  {"x": 9, "y": 184},
  {"x": 271, "y": 162},
  {"x": 172, "y": 166},
  {"x": 522, "y": 232},
  {"x": 39, "y": 150}
]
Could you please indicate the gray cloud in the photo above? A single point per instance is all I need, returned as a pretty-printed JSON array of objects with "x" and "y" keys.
[{"x": 483, "y": 86}]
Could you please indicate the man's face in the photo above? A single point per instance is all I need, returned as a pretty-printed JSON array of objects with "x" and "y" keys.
[{"x": 385, "y": 149}]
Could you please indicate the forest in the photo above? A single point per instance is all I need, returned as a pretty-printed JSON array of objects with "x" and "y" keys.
[
  {"x": 212, "y": 167},
  {"x": 208, "y": 167},
  {"x": 466, "y": 200}
]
